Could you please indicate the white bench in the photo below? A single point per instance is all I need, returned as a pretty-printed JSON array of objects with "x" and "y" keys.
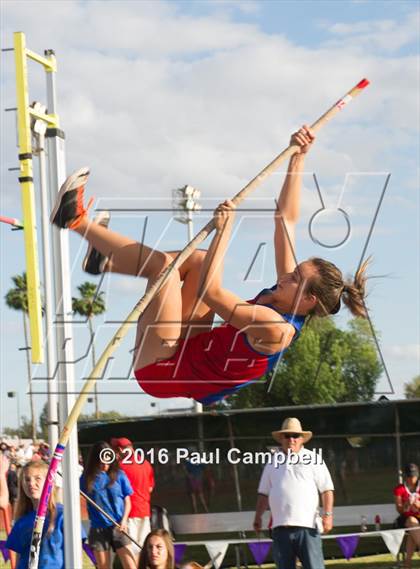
[{"x": 195, "y": 524}]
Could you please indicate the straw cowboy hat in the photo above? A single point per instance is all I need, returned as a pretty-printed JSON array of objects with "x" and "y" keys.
[{"x": 291, "y": 425}]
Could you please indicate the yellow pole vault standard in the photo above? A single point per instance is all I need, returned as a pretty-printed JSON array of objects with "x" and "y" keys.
[
  {"x": 27, "y": 189},
  {"x": 138, "y": 311}
]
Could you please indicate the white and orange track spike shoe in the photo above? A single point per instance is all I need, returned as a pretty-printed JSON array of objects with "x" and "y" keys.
[
  {"x": 94, "y": 262},
  {"x": 68, "y": 209}
]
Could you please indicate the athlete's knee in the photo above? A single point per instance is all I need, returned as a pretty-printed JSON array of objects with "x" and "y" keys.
[
  {"x": 167, "y": 259},
  {"x": 161, "y": 263},
  {"x": 192, "y": 264},
  {"x": 196, "y": 259}
]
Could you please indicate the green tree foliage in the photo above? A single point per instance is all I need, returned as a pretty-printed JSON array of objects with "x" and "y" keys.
[
  {"x": 25, "y": 430},
  {"x": 362, "y": 366},
  {"x": 17, "y": 297},
  {"x": 412, "y": 388},
  {"x": 90, "y": 303},
  {"x": 43, "y": 422},
  {"x": 105, "y": 416},
  {"x": 326, "y": 365}
]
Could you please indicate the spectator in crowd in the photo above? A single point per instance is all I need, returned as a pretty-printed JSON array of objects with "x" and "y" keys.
[
  {"x": 31, "y": 481},
  {"x": 291, "y": 485},
  {"x": 110, "y": 489},
  {"x": 4, "y": 449},
  {"x": 36, "y": 452},
  {"x": 4, "y": 491},
  {"x": 12, "y": 453},
  {"x": 44, "y": 450},
  {"x": 12, "y": 483},
  {"x": 194, "y": 476},
  {"x": 5, "y": 497},
  {"x": 158, "y": 551},
  {"x": 28, "y": 452},
  {"x": 20, "y": 455},
  {"x": 141, "y": 477},
  {"x": 407, "y": 501}
]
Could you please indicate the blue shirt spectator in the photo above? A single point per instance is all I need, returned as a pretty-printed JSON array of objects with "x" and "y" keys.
[
  {"x": 109, "y": 497},
  {"x": 52, "y": 545}
]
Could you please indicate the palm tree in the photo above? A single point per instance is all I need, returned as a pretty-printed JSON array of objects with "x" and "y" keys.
[
  {"x": 17, "y": 299},
  {"x": 90, "y": 304}
]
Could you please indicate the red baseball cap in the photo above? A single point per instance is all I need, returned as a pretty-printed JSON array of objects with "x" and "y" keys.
[{"x": 122, "y": 442}]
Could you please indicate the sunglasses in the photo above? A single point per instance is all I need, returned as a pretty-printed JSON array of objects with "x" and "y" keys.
[{"x": 292, "y": 435}]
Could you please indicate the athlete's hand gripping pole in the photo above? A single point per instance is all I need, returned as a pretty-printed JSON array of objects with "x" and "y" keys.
[{"x": 141, "y": 307}]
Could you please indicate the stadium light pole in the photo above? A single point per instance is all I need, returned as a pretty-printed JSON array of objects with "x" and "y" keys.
[{"x": 184, "y": 203}]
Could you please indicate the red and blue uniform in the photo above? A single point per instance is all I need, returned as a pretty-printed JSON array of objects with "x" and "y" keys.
[{"x": 212, "y": 365}]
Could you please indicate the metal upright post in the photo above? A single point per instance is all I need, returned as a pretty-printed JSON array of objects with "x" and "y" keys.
[
  {"x": 36, "y": 115},
  {"x": 234, "y": 466},
  {"x": 28, "y": 199},
  {"x": 185, "y": 201},
  {"x": 398, "y": 442},
  {"x": 190, "y": 226},
  {"x": 18, "y": 409},
  {"x": 64, "y": 337},
  {"x": 198, "y": 407},
  {"x": 52, "y": 402}
]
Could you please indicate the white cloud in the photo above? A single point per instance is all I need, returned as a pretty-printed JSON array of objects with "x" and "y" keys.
[
  {"x": 405, "y": 351},
  {"x": 386, "y": 35},
  {"x": 151, "y": 98},
  {"x": 151, "y": 28},
  {"x": 127, "y": 285},
  {"x": 248, "y": 7}
]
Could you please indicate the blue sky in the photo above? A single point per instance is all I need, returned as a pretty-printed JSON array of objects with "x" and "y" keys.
[
  {"x": 154, "y": 95},
  {"x": 305, "y": 22}
]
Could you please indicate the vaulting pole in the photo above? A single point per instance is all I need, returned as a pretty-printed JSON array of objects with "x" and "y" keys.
[{"x": 141, "y": 307}]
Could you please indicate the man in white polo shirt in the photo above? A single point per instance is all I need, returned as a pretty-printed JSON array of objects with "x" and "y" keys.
[{"x": 290, "y": 486}]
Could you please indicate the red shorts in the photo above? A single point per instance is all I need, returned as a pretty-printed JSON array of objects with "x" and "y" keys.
[
  {"x": 197, "y": 370},
  {"x": 158, "y": 379},
  {"x": 206, "y": 367},
  {"x": 178, "y": 377},
  {"x": 211, "y": 365}
]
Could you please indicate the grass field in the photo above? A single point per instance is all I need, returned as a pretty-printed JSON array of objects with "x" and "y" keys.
[{"x": 370, "y": 562}]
